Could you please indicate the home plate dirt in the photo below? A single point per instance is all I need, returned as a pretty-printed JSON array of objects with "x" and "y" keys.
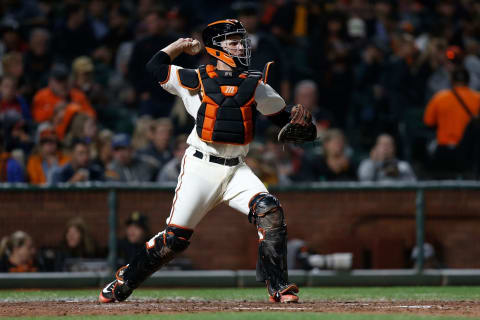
[{"x": 82, "y": 307}]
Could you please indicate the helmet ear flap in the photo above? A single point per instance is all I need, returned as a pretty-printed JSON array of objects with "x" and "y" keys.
[{"x": 222, "y": 56}]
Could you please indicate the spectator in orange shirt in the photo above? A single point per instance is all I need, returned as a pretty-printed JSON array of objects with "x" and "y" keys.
[
  {"x": 57, "y": 95},
  {"x": 47, "y": 159},
  {"x": 445, "y": 112}
]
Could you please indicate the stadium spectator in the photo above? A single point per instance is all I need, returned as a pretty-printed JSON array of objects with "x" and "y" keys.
[
  {"x": 152, "y": 100},
  {"x": 11, "y": 100},
  {"x": 58, "y": 95},
  {"x": 47, "y": 158},
  {"x": 83, "y": 75},
  {"x": 18, "y": 254},
  {"x": 11, "y": 38},
  {"x": 97, "y": 14},
  {"x": 126, "y": 167},
  {"x": 446, "y": 59},
  {"x": 369, "y": 106},
  {"x": 284, "y": 160},
  {"x": 170, "y": 171},
  {"x": 74, "y": 36},
  {"x": 383, "y": 164},
  {"x": 120, "y": 30},
  {"x": 333, "y": 165},
  {"x": 104, "y": 152},
  {"x": 263, "y": 167},
  {"x": 446, "y": 113},
  {"x": 306, "y": 94},
  {"x": 13, "y": 67},
  {"x": 142, "y": 135},
  {"x": 265, "y": 48},
  {"x": 403, "y": 86},
  {"x": 82, "y": 127},
  {"x": 333, "y": 70},
  {"x": 136, "y": 234},
  {"x": 15, "y": 132},
  {"x": 79, "y": 168},
  {"x": 11, "y": 170},
  {"x": 38, "y": 59},
  {"x": 380, "y": 62},
  {"x": 76, "y": 244},
  {"x": 158, "y": 150}
]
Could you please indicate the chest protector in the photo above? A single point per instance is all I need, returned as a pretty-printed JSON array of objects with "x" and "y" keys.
[{"x": 228, "y": 110}]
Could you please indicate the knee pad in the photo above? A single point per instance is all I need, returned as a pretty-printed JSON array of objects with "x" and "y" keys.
[
  {"x": 160, "y": 250},
  {"x": 173, "y": 238},
  {"x": 266, "y": 211},
  {"x": 176, "y": 238}
]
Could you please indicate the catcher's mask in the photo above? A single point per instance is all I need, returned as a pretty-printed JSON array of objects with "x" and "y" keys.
[{"x": 227, "y": 41}]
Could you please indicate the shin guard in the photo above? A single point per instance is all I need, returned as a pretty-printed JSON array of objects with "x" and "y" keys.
[
  {"x": 267, "y": 214},
  {"x": 157, "y": 252}
]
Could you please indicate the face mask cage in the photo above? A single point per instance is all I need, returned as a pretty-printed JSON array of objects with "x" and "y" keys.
[{"x": 243, "y": 45}]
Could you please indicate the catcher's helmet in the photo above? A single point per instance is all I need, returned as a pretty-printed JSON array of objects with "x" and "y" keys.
[{"x": 218, "y": 43}]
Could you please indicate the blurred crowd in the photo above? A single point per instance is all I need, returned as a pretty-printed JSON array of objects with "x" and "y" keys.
[
  {"x": 77, "y": 105},
  {"x": 76, "y": 249}
]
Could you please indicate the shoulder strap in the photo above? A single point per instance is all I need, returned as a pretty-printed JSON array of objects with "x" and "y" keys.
[
  {"x": 203, "y": 71},
  {"x": 462, "y": 103},
  {"x": 188, "y": 79}
]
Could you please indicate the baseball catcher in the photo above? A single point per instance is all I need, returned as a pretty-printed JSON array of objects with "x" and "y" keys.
[{"x": 224, "y": 98}]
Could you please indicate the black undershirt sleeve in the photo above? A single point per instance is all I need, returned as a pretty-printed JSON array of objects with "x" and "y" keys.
[
  {"x": 159, "y": 66},
  {"x": 280, "y": 118}
]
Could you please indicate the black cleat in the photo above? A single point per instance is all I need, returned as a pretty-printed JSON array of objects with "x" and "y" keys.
[
  {"x": 106, "y": 295},
  {"x": 116, "y": 290}
]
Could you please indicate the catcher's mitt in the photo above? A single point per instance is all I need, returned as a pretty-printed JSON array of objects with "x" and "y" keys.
[{"x": 300, "y": 129}]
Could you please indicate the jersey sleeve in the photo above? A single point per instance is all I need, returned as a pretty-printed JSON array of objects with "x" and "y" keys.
[
  {"x": 268, "y": 100},
  {"x": 172, "y": 83}
]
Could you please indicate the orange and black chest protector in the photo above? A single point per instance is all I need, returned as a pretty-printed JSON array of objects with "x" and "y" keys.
[{"x": 228, "y": 110}]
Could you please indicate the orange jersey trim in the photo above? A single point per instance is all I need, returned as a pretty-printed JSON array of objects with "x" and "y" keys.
[{"x": 267, "y": 69}]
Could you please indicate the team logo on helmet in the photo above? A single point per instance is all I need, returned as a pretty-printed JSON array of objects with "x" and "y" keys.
[{"x": 227, "y": 41}]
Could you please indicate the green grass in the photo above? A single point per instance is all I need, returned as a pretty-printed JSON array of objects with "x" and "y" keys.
[
  {"x": 259, "y": 294},
  {"x": 258, "y": 315}
]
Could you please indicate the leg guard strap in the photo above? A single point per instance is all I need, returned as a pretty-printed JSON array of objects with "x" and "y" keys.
[
  {"x": 160, "y": 250},
  {"x": 266, "y": 212}
]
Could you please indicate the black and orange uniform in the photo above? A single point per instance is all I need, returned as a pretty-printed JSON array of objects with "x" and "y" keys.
[
  {"x": 227, "y": 113},
  {"x": 224, "y": 104}
]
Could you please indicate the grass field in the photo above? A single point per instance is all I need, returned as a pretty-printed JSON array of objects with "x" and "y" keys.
[{"x": 403, "y": 303}]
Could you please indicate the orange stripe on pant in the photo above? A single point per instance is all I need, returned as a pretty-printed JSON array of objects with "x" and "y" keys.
[{"x": 178, "y": 188}]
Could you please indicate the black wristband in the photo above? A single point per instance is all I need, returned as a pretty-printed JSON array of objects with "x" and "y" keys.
[
  {"x": 280, "y": 118},
  {"x": 159, "y": 66}
]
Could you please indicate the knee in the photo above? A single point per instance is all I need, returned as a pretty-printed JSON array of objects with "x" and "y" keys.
[
  {"x": 266, "y": 211},
  {"x": 172, "y": 239},
  {"x": 176, "y": 238}
]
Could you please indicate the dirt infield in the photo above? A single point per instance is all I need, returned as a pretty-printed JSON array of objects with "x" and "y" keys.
[{"x": 70, "y": 307}]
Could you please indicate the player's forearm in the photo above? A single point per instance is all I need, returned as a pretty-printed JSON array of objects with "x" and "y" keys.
[
  {"x": 174, "y": 49},
  {"x": 159, "y": 66},
  {"x": 280, "y": 118}
]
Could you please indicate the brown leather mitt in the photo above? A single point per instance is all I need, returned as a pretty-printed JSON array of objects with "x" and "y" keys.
[{"x": 300, "y": 129}]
